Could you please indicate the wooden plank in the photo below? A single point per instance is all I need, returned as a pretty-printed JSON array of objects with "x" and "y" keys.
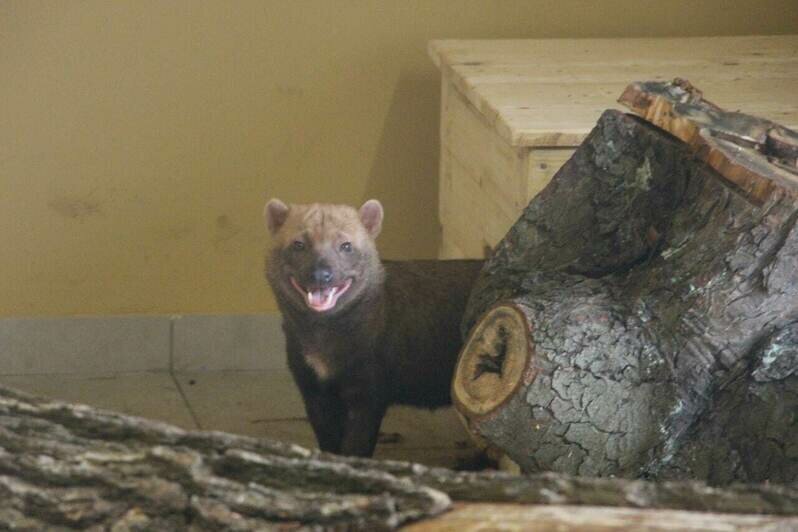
[
  {"x": 464, "y": 208},
  {"x": 446, "y": 248},
  {"x": 482, "y": 180},
  {"x": 542, "y": 164},
  {"x": 495, "y": 222},
  {"x": 607, "y": 72},
  {"x": 551, "y": 92},
  {"x": 486, "y": 157},
  {"x": 449, "y": 250},
  {"x": 523, "y": 112},
  {"x": 484, "y": 194},
  {"x": 473, "y": 517},
  {"x": 463, "y": 244},
  {"x": 480, "y": 215},
  {"x": 747, "y": 48},
  {"x": 460, "y": 210}
]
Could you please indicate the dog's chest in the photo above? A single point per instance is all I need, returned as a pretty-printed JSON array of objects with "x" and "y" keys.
[
  {"x": 321, "y": 353},
  {"x": 330, "y": 352},
  {"x": 319, "y": 363}
]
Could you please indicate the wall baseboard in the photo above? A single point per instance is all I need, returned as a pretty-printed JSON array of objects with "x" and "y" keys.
[{"x": 123, "y": 344}]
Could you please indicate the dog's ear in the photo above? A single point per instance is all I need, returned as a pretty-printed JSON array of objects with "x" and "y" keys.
[
  {"x": 371, "y": 214},
  {"x": 275, "y": 213}
]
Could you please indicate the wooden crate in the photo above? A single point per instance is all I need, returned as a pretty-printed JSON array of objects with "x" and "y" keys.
[{"x": 513, "y": 111}]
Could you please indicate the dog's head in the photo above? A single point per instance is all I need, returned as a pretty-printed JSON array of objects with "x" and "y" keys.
[{"x": 324, "y": 256}]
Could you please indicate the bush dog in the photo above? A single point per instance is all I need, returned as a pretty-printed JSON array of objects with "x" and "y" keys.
[{"x": 361, "y": 334}]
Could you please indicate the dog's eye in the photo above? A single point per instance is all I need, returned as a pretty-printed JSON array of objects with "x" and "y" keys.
[
  {"x": 346, "y": 246},
  {"x": 297, "y": 245}
]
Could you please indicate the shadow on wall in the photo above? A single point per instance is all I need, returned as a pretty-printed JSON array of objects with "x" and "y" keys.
[{"x": 404, "y": 174}]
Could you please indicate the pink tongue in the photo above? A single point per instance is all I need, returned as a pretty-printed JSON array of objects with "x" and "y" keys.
[
  {"x": 315, "y": 297},
  {"x": 321, "y": 299}
]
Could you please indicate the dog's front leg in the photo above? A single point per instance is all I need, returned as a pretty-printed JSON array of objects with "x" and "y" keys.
[
  {"x": 364, "y": 394},
  {"x": 327, "y": 414},
  {"x": 323, "y": 404},
  {"x": 362, "y": 428}
]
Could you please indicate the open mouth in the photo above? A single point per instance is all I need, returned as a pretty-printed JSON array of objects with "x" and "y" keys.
[{"x": 322, "y": 299}]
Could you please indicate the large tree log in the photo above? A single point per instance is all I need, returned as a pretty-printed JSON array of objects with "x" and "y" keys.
[
  {"x": 640, "y": 320},
  {"x": 73, "y": 467},
  {"x": 65, "y": 467}
]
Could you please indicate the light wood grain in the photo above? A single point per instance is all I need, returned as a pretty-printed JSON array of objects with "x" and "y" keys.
[
  {"x": 514, "y": 110},
  {"x": 487, "y": 158},
  {"x": 475, "y": 517},
  {"x": 750, "y": 48},
  {"x": 481, "y": 191},
  {"x": 542, "y": 165},
  {"x": 550, "y": 92}
]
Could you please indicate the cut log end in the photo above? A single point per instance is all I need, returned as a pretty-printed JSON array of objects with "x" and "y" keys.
[{"x": 493, "y": 361}]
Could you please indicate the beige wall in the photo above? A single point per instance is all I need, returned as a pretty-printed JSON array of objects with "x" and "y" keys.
[{"x": 139, "y": 140}]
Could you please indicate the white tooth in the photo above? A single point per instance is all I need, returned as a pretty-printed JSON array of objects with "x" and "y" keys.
[{"x": 310, "y": 298}]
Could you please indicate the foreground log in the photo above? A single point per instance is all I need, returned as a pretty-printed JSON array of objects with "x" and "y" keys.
[
  {"x": 558, "y": 488},
  {"x": 641, "y": 319},
  {"x": 74, "y": 467},
  {"x": 69, "y": 467}
]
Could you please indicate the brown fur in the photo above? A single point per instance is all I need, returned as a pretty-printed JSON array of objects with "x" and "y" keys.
[{"x": 392, "y": 337}]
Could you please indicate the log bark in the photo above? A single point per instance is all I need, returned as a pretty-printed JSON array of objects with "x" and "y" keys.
[
  {"x": 560, "y": 488},
  {"x": 755, "y": 154},
  {"x": 640, "y": 320},
  {"x": 72, "y": 467}
]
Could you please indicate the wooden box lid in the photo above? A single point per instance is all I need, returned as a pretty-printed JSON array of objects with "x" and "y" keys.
[{"x": 550, "y": 92}]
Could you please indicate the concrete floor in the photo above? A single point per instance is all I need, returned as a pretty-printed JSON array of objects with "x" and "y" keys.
[{"x": 261, "y": 403}]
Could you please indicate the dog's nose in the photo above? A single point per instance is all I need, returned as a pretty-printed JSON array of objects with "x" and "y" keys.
[{"x": 322, "y": 275}]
